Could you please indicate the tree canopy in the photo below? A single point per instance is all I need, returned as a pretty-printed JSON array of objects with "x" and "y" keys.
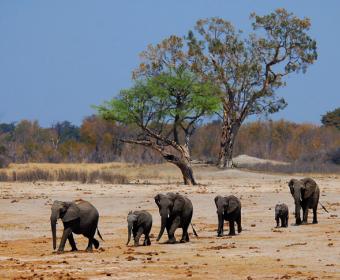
[
  {"x": 166, "y": 106},
  {"x": 249, "y": 69},
  {"x": 332, "y": 118}
]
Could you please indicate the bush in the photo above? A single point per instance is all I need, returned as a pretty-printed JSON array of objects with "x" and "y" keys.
[
  {"x": 4, "y": 161},
  {"x": 109, "y": 177},
  {"x": 4, "y": 176},
  {"x": 82, "y": 176},
  {"x": 335, "y": 156},
  {"x": 32, "y": 175}
]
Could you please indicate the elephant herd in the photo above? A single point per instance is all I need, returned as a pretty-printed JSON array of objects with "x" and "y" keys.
[{"x": 81, "y": 217}]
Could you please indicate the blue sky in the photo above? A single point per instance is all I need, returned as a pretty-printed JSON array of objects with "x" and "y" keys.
[{"x": 57, "y": 58}]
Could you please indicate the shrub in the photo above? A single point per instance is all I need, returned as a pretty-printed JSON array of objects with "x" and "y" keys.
[
  {"x": 33, "y": 175},
  {"x": 4, "y": 161},
  {"x": 109, "y": 177},
  {"x": 4, "y": 176}
]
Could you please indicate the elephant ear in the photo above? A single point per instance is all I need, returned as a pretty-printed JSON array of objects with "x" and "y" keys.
[
  {"x": 216, "y": 199},
  {"x": 179, "y": 203},
  {"x": 232, "y": 205},
  {"x": 72, "y": 213},
  {"x": 291, "y": 185},
  {"x": 309, "y": 187},
  {"x": 157, "y": 199}
]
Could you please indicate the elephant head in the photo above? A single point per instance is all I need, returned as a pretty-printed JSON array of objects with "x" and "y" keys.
[
  {"x": 224, "y": 206},
  {"x": 131, "y": 218},
  {"x": 67, "y": 211},
  {"x": 301, "y": 190},
  {"x": 169, "y": 205}
]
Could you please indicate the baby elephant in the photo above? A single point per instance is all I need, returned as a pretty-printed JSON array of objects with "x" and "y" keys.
[
  {"x": 281, "y": 213},
  {"x": 139, "y": 222},
  {"x": 229, "y": 209}
]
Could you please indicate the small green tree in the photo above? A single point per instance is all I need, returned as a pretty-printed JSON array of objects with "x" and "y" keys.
[
  {"x": 248, "y": 70},
  {"x": 166, "y": 107},
  {"x": 332, "y": 118}
]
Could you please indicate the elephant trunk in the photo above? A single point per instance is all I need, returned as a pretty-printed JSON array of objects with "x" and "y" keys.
[
  {"x": 164, "y": 217},
  {"x": 297, "y": 199},
  {"x": 54, "y": 231},
  {"x": 129, "y": 233},
  {"x": 220, "y": 223}
]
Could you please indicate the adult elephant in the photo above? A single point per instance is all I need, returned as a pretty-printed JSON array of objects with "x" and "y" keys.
[
  {"x": 228, "y": 209},
  {"x": 176, "y": 212},
  {"x": 306, "y": 196},
  {"x": 79, "y": 217}
]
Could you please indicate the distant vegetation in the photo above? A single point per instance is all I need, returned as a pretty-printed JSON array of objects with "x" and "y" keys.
[
  {"x": 332, "y": 118},
  {"x": 97, "y": 140}
]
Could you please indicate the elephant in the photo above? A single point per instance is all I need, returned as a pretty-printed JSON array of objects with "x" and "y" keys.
[
  {"x": 306, "y": 196},
  {"x": 79, "y": 217},
  {"x": 228, "y": 209},
  {"x": 176, "y": 212},
  {"x": 139, "y": 222},
  {"x": 281, "y": 213}
]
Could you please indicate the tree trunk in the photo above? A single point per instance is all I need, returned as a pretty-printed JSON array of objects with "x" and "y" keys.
[
  {"x": 187, "y": 173},
  {"x": 185, "y": 166},
  {"x": 229, "y": 132},
  {"x": 182, "y": 161}
]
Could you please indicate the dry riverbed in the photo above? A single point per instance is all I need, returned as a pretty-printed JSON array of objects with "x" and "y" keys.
[{"x": 261, "y": 251}]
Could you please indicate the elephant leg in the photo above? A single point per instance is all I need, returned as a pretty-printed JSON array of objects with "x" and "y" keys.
[
  {"x": 185, "y": 235},
  {"x": 315, "y": 218},
  {"x": 95, "y": 243},
  {"x": 287, "y": 221},
  {"x": 175, "y": 224},
  {"x": 138, "y": 235},
  {"x": 89, "y": 245},
  {"x": 239, "y": 226},
  {"x": 147, "y": 241},
  {"x": 277, "y": 222},
  {"x": 66, "y": 233},
  {"x": 231, "y": 228},
  {"x": 305, "y": 215},
  {"x": 72, "y": 243}
]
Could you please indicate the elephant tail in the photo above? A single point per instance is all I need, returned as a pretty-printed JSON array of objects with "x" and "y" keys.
[
  {"x": 99, "y": 234},
  {"x": 323, "y": 207},
  {"x": 193, "y": 229}
]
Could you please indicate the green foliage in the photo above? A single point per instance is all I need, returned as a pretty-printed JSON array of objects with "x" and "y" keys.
[
  {"x": 332, "y": 118},
  {"x": 7, "y": 127},
  {"x": 163, "y": 99}
]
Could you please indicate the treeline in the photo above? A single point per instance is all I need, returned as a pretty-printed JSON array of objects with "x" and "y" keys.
[{"x": 97, "y": 140}]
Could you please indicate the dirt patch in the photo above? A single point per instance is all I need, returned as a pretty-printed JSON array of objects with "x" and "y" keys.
[{"x": 260, "y": 252}]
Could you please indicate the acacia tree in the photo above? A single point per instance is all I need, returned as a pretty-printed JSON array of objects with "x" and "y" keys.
[
  {"x": 248, "y": 70},
  {"x": 166, "y": 103}
]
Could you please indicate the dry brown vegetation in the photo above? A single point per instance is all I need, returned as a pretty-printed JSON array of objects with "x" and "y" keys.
[
  {"x": 97, "y": 140},
  {"x": 84, "y": 173}
]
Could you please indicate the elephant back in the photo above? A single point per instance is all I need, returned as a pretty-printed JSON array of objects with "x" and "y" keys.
[{"x": 86, "y": 207}]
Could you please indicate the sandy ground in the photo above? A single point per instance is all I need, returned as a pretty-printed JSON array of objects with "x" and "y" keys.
[{"x": 260, "y": 252}]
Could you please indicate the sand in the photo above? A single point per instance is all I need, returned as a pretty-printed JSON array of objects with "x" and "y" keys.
[{"x": 261, "y": 251}]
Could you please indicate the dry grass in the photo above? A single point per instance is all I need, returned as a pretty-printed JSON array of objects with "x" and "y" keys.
[
  {"x": 84, "y": 173},
  {"x": 115, "y": 173}
]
